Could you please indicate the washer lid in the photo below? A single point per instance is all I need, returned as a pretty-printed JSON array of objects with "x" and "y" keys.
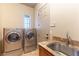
[{"x": 13, "y": 37}]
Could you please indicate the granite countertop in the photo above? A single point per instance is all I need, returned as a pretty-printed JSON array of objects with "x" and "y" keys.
[{"x": 56, "y": 53}]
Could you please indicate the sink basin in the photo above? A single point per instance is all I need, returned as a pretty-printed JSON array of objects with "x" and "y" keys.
[
  {"x": 54, "y": 46},
  {"x": 64, "y": 49}
]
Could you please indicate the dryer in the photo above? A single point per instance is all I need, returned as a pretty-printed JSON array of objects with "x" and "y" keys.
[
  {"x": 12, "y": 41},
  {"x": 30, "y": 40}
]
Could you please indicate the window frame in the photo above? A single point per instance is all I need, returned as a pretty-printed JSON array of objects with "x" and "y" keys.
[{"x": 28, "y": 23}]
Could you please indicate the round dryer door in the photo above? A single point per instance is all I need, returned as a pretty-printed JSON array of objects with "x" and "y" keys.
[
  {"x": 30, "y": 35},
  {"x": 13, "y": 37}
]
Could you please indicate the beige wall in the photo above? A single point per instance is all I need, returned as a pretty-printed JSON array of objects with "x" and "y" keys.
[
  {"x": 66, "y": 18},
  {"x": 0, "y": 23},
  {"x": 12, "y": 15}
]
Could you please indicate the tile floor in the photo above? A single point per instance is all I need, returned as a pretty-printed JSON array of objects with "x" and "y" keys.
[{"x": 33, "y": 53}]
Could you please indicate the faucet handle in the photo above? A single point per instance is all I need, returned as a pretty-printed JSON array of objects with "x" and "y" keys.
[
  {"x": 67, "y": 35},
  {"x": 69, "y": 39}
]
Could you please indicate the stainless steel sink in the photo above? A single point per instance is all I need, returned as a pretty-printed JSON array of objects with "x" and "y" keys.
[
  {"x": 54, "y": 46},
  {"x": 64, "y": 49}
]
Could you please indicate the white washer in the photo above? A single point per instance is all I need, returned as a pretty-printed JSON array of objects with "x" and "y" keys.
[
  {"x": 12, "y": 41},
  {"x": 30, "y": 40}
]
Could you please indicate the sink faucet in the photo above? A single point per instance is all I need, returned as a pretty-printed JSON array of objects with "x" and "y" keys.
[{"x": 68, "y": 39}]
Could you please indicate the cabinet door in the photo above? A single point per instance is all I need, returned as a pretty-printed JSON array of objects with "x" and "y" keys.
[{"x": 44, "y": 52}]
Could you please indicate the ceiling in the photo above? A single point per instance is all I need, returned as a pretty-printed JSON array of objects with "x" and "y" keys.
[{"x": 30, "y": 4}]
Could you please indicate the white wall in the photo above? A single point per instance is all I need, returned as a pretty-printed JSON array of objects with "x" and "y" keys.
[
  {"x": 37, "y": 7},
  {"x": 66, "y": 17}
]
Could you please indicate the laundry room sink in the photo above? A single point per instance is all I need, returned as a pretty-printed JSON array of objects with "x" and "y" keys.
[{"x": 69, "y": 51}]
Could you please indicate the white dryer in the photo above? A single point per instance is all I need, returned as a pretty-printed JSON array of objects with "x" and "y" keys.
[
  {"x": 30, "y": 40},
  {"x": 12, "y": 41}
]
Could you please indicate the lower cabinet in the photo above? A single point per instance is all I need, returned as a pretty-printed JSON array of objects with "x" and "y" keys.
[{"x": 44, "y": 52}]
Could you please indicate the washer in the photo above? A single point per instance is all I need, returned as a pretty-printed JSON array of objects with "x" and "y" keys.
[
  {"x": 30, "y": 40},
  {"x": 12, "y": 41}
]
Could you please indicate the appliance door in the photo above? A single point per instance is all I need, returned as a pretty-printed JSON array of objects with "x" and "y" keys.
[
  {"x": 12, "y": 41},
  {"x": 13, "y": 37},
  {"x": 43, "y": 23},
  {"x": 30, "y": 39}
]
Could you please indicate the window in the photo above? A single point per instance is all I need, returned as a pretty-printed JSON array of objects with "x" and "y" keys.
[{"x": 26, "y": 22}]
